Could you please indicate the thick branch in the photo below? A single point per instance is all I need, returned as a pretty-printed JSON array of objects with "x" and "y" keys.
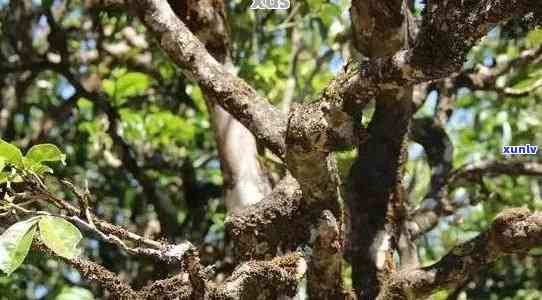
[
  {"x": 456, "y": 26},
  {"x": 378, "y": 26},
  {"x": 264, "y": 279},
  {"x": 376, "y": 197},
  {"x": 324, "y": 275},
  {"x": 258, "y": 279},
  {"x": 94, "y": 272},
  {"x": 513, "y": 231},
  {"x": 274, "y": 222},
  {"x": 453, "y": 25},
  {"x": 276, "y": 277},
  {"x": 316, "y": 172},
  {"x": 251, "y": 280},
  {"x": 235, "y": 95}
]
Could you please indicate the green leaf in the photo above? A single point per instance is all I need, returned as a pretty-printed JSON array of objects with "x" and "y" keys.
[
  {"x": 109, "y": 87},
  {"x": 131, "y": 84},
  {"x": 197, "y": 97},
  {"x": 60, "y": 236},
  {"x": 2, "y": 163},
  {"x": 11, "y": 154},
  {"x": 15, "y": 243},
  {"x": 36, "y": 166},
  {"x": 327, "y": 12},
  {"x": 534, "y": 38},
  {"x": 266, "y": 71},
  {"x": 524, "y": 84},
  {"x": 3, "y": 177},
  {"x": 536, "y": 251},
  {"x": 74, "y": 293},
  {"x": 46, "y": 152}
]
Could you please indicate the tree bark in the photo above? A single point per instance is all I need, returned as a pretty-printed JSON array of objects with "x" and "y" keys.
[
  {"x": 514, "y": 230},
  {"x": 376, "y": 200},
  {"x": 376, "y": 197}
]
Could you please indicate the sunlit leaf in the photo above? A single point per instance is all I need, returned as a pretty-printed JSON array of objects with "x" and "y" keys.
[
  {"x": 523, "y": 84},
  {"x": 109, "y": 87},
  {"x": 131, "y": 84},
  {"x": 60, "y": 236},
  {"x": 45, "y": 152},
  {"x": 3, "y": 177},
  {"x": 535, "y": 37},
  {"x": 15, "y": 243},
  {"x": 197, "y": 96},
  {"x": 11, "y": 154},
  {"x": 36, "y": 167},
  {"x": 132, "y": 123},
  {"x": 327, "y": 12}
]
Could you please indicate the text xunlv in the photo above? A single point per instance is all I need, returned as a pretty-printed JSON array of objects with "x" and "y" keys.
[{"x": 525, "y": 149}]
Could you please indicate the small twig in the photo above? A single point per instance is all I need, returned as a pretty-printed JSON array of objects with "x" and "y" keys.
[
  {"x": 92, "y": 221},
  {"x": 83, "y": 199},
  {"x": 287, "y": 22},
  {"x": 168, "y": 253}
]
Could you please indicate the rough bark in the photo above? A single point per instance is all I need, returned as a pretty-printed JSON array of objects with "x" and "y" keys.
[
  {"x": 454, "y": 25},
  {"x": 377, "y": 27},
  {"x": 376, "y": 197},
  {"x": 254, "y": 279},
  {"x": 324, "y": 275},
  {"x": 264, "y": 279},
  {"x": 252, "y": 110},
  {"x": 376, "y": 201},
  {"x": 306, "y": 138},
  {"x": 316, "y": 172},
  {"x": 274, "y": 223},
  {"x": 320, "y": 190},
  {"x": 514, "y": 230}
]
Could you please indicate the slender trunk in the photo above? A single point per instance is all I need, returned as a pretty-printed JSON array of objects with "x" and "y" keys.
[{"x": 244, "y": 180}]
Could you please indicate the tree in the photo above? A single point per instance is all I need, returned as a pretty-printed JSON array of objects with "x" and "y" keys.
[{"x": 315, "y": 115}]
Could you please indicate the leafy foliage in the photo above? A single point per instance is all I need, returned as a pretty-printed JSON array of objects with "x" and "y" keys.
[
  {"x": 125, "y": 85},
  {"x": 45, "y": 152},
  {"x": 60, "y": 236},
  {"x": 11, "y": 154},
  {"x": 56, "y": 233},
  {"x": 15, "y": 243}
]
